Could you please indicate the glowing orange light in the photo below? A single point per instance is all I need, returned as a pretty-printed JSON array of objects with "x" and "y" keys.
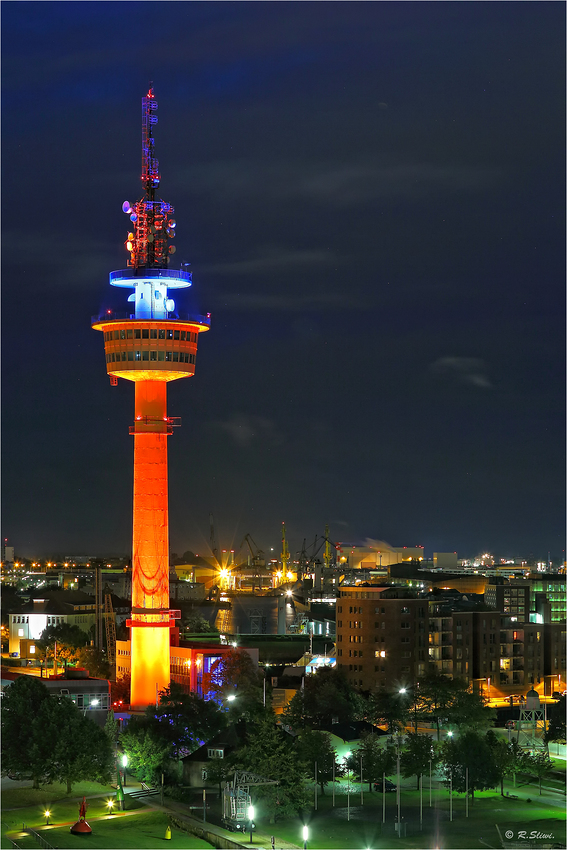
[{"x": 150, "y": 562}]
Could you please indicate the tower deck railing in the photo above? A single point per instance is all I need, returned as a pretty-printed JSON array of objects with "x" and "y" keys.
[
  {"x": 145, "y": 273},
  {"x": 111, "y": 316}
]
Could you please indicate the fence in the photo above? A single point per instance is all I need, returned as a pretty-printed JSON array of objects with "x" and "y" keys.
[{"x": 38, "y": 837}]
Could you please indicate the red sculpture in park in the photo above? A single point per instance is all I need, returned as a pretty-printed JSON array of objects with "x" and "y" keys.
[{"x": 81, "y": 827}]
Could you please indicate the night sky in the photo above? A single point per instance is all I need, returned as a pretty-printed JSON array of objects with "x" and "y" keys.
[{"x": 372, "y": 200}]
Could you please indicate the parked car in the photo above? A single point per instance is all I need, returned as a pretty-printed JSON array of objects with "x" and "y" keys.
[{"x": 389, "y": 785}]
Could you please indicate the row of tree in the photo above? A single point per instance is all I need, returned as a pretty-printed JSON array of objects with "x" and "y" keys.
[
  {"x": 438, "y": 700},
  {"x": 46, "y": 738}
]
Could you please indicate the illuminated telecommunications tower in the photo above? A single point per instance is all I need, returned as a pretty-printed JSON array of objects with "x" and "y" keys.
[{"x": 151, "y": 346}]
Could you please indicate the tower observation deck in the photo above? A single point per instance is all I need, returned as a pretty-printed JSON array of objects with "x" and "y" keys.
[{"x": 151, "y": 345}]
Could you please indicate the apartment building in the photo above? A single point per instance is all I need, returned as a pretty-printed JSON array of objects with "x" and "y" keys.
[
  {"x": 392, "y": 636},
  {"x": 382, "y": 636}
]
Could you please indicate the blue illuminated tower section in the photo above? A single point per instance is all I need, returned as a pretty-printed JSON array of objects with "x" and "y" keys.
[{"x": 150, "y": 346}]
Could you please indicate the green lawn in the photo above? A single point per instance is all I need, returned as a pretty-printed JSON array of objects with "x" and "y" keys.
[
  {"x": 329, "y": 828},
  {"x": 62, "y": 811},
  {"x": 18, "y": 797},
  {"x": 144, "y": 830}
]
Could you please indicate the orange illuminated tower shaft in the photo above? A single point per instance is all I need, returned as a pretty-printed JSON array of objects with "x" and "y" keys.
[
  {"x": 150, "y": 549},
  {"x": 151, "y": 345}
]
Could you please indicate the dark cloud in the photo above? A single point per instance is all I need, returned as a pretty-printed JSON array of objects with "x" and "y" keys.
[{"x": 467, "y": 370}]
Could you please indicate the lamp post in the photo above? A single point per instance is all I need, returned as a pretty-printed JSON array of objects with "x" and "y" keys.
[
  {"x": 124, "y": 764},
  {"x": 398, "y": 792},
  {"x": 348, "y": 787},
  {"x": 110, "y": 804},
  {"x": 251, "y": 819},
  {"x": 305, "y": 836},
  {"x": 46, "y": 814},
  {"x": 315, "y": 786}
]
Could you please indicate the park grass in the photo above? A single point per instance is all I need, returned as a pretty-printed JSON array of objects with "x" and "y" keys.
[
  {"x": 330, "y": 830},
  {"x": 18, "y": 797},
  {"x": 62, "y": 811},
  {"x": 144, "y": 830}
]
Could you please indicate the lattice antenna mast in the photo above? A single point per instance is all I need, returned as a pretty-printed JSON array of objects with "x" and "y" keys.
[{"x": 153, "y": 222}]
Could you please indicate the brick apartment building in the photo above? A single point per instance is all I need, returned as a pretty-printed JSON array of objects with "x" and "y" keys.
[{"x": 390, "y": 636}]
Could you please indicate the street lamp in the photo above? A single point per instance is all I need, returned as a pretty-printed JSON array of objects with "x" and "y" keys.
[
  {"x": 251, "y": 819},
  {"x": 305, "y": 836},
  {"x": 47, "y": 813},
  {"x": 124, "y": 763},
  {"x": 110, "y": 804}
]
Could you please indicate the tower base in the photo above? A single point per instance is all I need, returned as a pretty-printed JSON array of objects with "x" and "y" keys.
[{"x": 149, "y": 664}]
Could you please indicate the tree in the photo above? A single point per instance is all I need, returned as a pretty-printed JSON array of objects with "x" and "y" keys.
[
  {"x": 376, "y": 759},
  {"x": 25, "y": 748},
  {"x": 437, "y": 693},
  {"x": 112, "y": 728},
  {"x": 556, "y": 725},
  {"x": 389, "y": 709},
  {"x": 235, "y": 674},
  {"x": 148, "y": 752},
  {"x": 120, "y": 690},
  {"x": 508, "y": 755},
  {"x": 68, "y": 639},
  {"x": 418, "y": 752},
  {"x": 469, "y": 752},
  {"x": 46, "y": 737},
  {"x": 95, "y": 661},
  {"x": 270, "y": 753},
  {"x": 315, "y": 747},
  {"x": 80, "y": 748},
  {"x": 196, "y": 623},
  {"x": 324, "y": 697},
  {"x": 537, "y": 764},
  {"x": 468, "y": 710},
  {"x": 185, "y": 719},
  {"x": 219, "y": 770}
]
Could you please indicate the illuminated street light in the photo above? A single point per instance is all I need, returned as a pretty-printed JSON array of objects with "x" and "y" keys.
[
  {"x": 231, "y": 698},
  {"x": 47, "y": 813},
  {"x": 251, "y": 819},
  {"x": 110, "y": 804},
  {"x": 305, "y": 836}
]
